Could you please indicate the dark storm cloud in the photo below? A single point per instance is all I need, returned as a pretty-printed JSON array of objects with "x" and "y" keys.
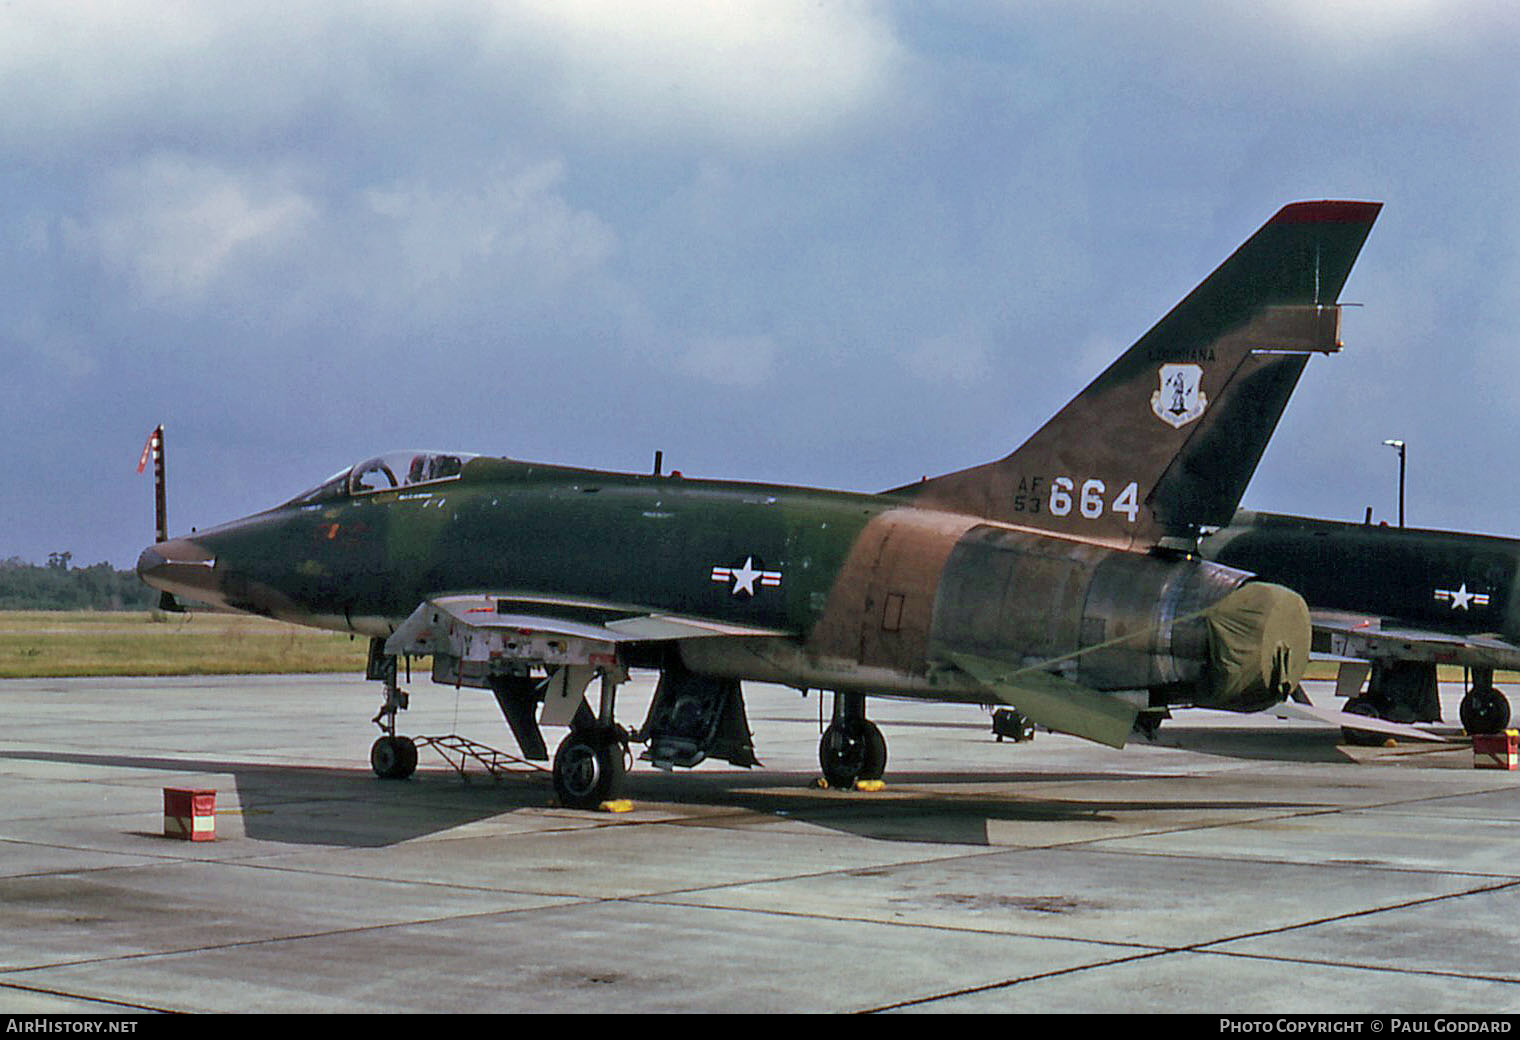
[{"x": 838, "y": 244}]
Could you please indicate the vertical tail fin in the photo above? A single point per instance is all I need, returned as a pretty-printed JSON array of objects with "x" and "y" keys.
[{"x": 1166, "y": 439}]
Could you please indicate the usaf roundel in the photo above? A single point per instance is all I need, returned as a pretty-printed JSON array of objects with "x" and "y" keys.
[{"x": 1181, "y": 398}]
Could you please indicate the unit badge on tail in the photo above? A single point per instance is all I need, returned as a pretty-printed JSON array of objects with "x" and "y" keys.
[{"x": 1181, "y": 398}]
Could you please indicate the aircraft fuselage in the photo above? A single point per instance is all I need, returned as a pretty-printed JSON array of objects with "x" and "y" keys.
[{"x": 822, "y": 589}]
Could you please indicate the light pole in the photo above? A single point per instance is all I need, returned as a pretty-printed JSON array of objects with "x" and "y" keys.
[{"x": 1399, "y": 447}]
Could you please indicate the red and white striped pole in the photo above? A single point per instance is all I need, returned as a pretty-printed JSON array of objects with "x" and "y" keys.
[{"x": 154, "y": 449}]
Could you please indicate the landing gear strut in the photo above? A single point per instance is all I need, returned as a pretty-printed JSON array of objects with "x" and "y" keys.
[
  {"x": 391, "y": 757},
  {"x": 852, "y": 748},
  {"x": 590, "y": 763}
]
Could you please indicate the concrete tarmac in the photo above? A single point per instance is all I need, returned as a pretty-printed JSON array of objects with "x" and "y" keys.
[{"x": 1235, "y": 865}]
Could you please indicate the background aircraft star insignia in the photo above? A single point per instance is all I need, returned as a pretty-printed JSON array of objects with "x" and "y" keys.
[{"x": 1460, "y": 598}]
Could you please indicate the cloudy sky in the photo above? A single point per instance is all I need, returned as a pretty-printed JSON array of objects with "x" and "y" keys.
[{"x": 838, "y": 244}]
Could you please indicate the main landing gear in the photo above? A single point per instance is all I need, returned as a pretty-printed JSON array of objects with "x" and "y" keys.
[
  {"x": 588, "y": 766},
  {"x": 1407, "y": 691},
  {"x": 852, "y": 748},
  {"x": 590, "y": 763},
  {"x": 1484, "y": 709}
]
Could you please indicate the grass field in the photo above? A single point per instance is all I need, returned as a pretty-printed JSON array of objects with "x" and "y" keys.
[
  {"x": 74, "y": 643},
  {"x": 50, "y": 644}
]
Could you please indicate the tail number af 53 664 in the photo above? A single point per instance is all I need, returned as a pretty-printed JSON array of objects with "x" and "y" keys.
[{"x": 1090, "y": 501}]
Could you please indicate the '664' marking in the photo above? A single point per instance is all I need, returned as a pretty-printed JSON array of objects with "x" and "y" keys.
[{"x": 1090, "y": 500}]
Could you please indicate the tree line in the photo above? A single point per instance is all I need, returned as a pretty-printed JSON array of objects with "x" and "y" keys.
[{"x": 59, "y": 585}]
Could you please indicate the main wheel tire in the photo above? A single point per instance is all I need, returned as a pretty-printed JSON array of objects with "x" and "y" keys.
[
  {"x": 852, "y": 751},
  {"x": 1361, "y": 737},
  {"x": 393, "y": 758},
  {"x": 1484, "y": 711},
  {"x": 588, "y": 769}
]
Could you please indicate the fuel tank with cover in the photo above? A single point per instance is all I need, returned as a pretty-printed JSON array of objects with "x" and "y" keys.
[{"x": 1184, "y": 629}]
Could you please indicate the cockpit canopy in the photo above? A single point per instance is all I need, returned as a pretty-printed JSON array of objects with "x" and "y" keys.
[{"x": 398, "y": 469}]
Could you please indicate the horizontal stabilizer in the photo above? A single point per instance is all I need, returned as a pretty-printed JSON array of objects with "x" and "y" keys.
[
  {"x": 1346, "y": 720},
  {"x": 1053, "y": 702}
]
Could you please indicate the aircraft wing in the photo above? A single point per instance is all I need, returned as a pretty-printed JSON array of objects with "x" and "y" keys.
[
  {"x": 1369, "y": 637},
  {"x": 487, "y": 627}
]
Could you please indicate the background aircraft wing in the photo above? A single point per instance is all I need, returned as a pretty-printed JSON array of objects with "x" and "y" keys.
[{"x": 1369, "y": 637}]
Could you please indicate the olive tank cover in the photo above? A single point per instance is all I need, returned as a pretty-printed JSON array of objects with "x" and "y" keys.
[{"x": 1258, "y": 646}]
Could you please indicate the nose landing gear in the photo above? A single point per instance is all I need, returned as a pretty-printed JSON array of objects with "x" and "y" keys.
[{"x": 391, "y": 757}]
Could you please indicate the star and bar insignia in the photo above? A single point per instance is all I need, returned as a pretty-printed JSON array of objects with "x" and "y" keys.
[
  {"x": 745, "y": 576},
  {"x": 1461, "y": 598}
]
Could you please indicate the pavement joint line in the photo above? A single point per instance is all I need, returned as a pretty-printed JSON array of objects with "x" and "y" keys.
[
  {"x": 86, "y": 998},
  {"x": 1384, "y": 868},
  {"x": 1307, "y": 813},
  {"x": 930, "y": 926},
  {"x": 275, "y": 940},
  {"x": 1010, "y": 983},
  {"x": 1387, "y": 968},
  {"x": 1201, "y": 947},
  {"x": 1353, "y": 914},
  {"x": 1204, "y": 949}
]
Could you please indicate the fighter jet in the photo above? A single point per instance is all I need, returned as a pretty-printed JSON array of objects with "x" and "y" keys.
[
  {"x": 1060, "y": 578},
  {"x": 1392, "y": 603}
]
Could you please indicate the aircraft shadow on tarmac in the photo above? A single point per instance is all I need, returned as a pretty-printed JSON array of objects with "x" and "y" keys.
[
  {"x": 1271, "y": 744},
  {"x": 350, "y": 807},
  {"x": 945, "y": 808},
  {"x": 312, "y": 805}
]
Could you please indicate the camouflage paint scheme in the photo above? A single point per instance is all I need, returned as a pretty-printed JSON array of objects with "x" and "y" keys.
[{"x": 1059, "y": 578}]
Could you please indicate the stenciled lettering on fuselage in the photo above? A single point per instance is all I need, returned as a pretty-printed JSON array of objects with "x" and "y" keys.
[
  {"x": 1461, "y": 599},
  {"x": 1181, "y": 398},
  {"x": 747, "y": 576}
]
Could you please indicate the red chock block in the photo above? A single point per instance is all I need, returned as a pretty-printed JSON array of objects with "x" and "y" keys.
[
  {"x": 189, "y": 814},
  {"x": 1496, "y": 750}
]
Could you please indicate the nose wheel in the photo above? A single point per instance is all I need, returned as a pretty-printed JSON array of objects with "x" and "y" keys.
[{"x": 393, "y": 758}]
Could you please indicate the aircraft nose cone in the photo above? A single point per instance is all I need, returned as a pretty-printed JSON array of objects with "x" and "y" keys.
[
  {"x": 150, "y": 563},
  {"x": 182, "y": 567}
]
